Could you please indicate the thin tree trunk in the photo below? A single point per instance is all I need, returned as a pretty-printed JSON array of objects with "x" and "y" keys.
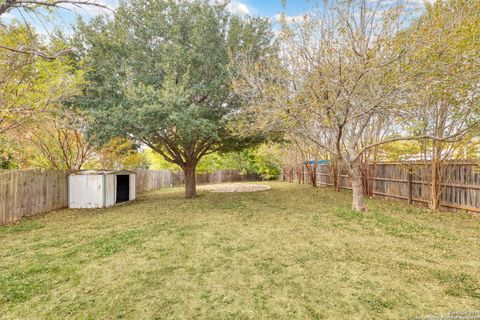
[
  {"x": 434, "y": 196},
  {"x": 300, "y": 174},
  {"x": 435, "y": 188},
  {"x": 437, "y": 154},
  {"x": 358, "y": 203},
  {"x": 190, "y": 181},
  {"x": 367, "y": 178},
  {"x": 312, "y": 173},
  {"x": 334, "y": 175}
]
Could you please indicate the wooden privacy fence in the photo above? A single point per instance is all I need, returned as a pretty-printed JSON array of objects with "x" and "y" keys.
[
  {"x": 30, "y": 192},
  {"x": 460, "y": 182},
  {"x": 221, "y": 176},
  {"x": 155, "y": 179},
  {"x": 146, "y": 180}
]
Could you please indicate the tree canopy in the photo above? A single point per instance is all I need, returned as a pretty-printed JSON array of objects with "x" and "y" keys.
[{"x": 159, "y": 72}]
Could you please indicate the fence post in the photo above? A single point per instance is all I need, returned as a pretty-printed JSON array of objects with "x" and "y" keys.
[{"x": 409, "y": 179}]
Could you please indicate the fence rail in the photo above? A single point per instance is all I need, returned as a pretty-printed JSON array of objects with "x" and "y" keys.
[
  {"x": 30, "y": 192},
  {"x": 460, "y": 182}
]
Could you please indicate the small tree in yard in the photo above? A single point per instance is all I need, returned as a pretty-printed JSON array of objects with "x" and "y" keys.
[
  {"x": 160, "y": 73},
  {"x": 334, "y": 83}
]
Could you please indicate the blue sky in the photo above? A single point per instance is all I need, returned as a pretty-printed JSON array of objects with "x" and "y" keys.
[
  {"x": 264, "y": 8},
  {"x": 269, "y": 8}
]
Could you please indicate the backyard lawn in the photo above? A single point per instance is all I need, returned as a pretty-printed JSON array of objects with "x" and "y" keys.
[{"x": 291, "y": 252}]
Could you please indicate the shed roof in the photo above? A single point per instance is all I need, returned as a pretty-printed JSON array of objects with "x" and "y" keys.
[{"x": 102, "y": 172}]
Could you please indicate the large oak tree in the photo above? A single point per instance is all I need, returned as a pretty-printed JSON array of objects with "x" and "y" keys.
[{"x": 159, "y": 72}]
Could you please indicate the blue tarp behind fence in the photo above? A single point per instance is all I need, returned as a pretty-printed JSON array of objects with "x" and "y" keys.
[{"x": 318, "y": 162}]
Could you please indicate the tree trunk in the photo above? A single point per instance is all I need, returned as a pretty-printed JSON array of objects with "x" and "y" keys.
[
  {"x": 190, "y": 181},
  {"x": 300, "y": 174},
  {"x": 437, "y": 157},
  {"x": 358, "y": 203},
  {"x": 367, "y": 178},
  {"x": 335, "y": 178},
  {"x": 436, "y": 176},
  {"x": 312, "y": 173}
]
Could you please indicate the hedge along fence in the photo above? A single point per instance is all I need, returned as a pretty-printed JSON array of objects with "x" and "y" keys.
[
  {"x": 30, "y": 192},
  {"x": 408, "y": 181}
]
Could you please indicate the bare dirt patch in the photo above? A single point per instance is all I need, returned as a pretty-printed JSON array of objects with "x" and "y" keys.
[{"x": 234, "y": 187}]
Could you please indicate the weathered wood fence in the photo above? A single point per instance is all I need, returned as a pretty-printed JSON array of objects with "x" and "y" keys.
[
  {"x": 460, "y": 182},
  {"x": 155, "y": 179},
  {"x": 30, "y": 192},
  {"x": 146, "y": 180}
]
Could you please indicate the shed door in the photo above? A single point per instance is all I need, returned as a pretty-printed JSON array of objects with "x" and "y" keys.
[{"x": 123, "y": 188}]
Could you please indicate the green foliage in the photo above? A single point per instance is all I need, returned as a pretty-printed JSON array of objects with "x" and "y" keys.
[
  {"x": 32, "y": 88},
  {"x": 157, "y": 162},
  {"x": 397, "y": 150},
  {"x": 159, "y": 72},
  {"x": 7, "y": 160},
  {"x": 31, "y": 84},
  {"x": 119, "y": 153},
  {"x": 442, "y": 67},
  {"x": 263, "y": 160}
]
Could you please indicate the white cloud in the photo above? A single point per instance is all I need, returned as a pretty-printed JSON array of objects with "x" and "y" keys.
[
  {"x": 418, "y": 3},
  {"x": 290, "y": 19},
  {"x": 238, "y": 8},
  {"x": 8, "y": 16}
]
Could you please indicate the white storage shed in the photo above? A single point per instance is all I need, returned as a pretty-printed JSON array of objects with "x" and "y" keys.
[{"x": 100, "y": 189}]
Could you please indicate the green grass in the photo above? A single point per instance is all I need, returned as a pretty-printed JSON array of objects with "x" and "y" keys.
[{"x": 293, "y": 252}]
